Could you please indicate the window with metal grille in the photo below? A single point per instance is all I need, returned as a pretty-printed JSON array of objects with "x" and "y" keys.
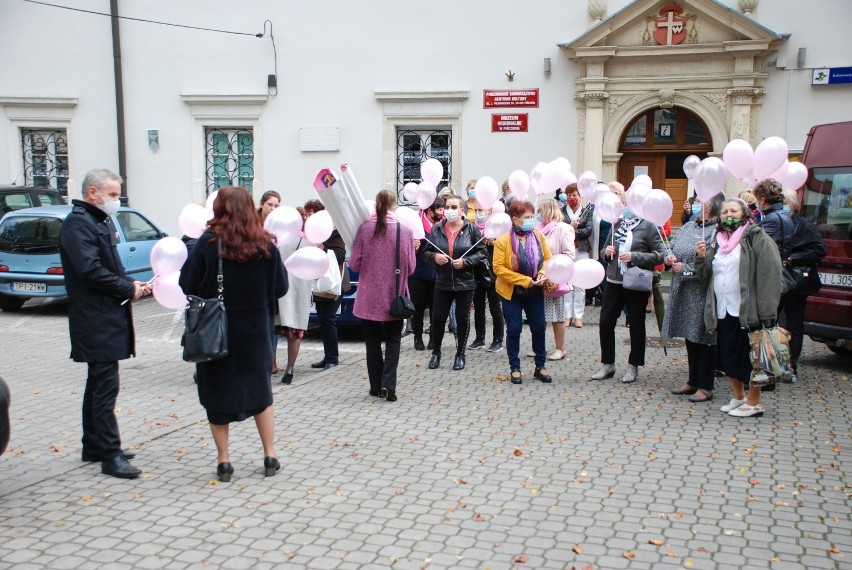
[
  {"x": 414, "y": 147},
  {"x": 229, "y": 157},
  {"x": 45, "y": 154}
]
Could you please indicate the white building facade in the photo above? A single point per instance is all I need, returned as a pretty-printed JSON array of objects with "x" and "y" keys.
[{"x": 618, "y": 87}]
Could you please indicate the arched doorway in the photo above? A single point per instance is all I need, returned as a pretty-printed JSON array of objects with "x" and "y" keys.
[{"x": 656, "y": 143}]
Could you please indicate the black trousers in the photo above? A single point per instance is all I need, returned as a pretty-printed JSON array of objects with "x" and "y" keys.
[
  {"x": 100, "y": 426},
  {"x": 422, "y": 293},
  {"x": 440, "y": 313},
  {"x": 702, "y": 365},
  {"x": 480, "y": 295},
  {"x": 614, "y": 299},
  {"x": 327, "y": 318},
  {"x": 791, "y": 316},
  {"x": 381, "y": 369}
]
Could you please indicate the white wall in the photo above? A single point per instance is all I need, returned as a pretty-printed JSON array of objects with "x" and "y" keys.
[{"x": 332, "y": 56}]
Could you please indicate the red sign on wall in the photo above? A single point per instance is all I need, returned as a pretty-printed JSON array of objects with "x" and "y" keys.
[
  {"x": 493, "y": 98},
  {"x": 517, "y": 123}
]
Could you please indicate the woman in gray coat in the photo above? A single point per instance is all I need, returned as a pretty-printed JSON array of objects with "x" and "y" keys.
[{"x": 684, "y": 315}]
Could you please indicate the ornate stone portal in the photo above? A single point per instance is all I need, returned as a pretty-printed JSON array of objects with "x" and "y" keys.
[{"x": 694, "y": 54}]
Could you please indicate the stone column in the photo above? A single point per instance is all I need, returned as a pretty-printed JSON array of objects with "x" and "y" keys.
[
  {"x": 593, "y": 101},
  {"x": 744, "y": 112}
]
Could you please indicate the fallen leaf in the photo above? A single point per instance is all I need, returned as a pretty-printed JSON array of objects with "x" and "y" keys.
[
  {"x": 753, "y": 480},
  {"x": 677, "y": 516},
  {"x": 460, "y": 481},
  {"x": 628, "y": 555},
  {"x": 701, "y": 549},
  {"x": 834, "y": 550},
  {"x": 517, "y": 452},
  {"x": 652, "y": 457},
  {"x": 671, "y": 554},
  {"x": 577, "y": 549},
  {"x": 656, "y": 541},
  {"x": 87, "y": 498},
  {"x": 733, "y": 439},
  {"x": 290, "y": 555},
  {"x": 479, "y": 518},
  {"x": 398, "y": 492},
  {"x": 521, "y": 559}
]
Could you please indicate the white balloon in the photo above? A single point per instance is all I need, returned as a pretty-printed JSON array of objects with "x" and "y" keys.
[
  {"x": 486, "y": 191},
  {"x": 586, "y": 183},
  {"x": 193, "y": 220},
  {"x": 426, "y": 195},
  {"x": 550, "y": 180},
  {"x": 410, "y": 219},
  {"x": 563, "y": 171},
  {"x": 409, "y": 192},
  {"x": 285, "y": 223},
  {"x": 497, "y": 225},
  {"x": 609, "y": 207},
  {"x": 432, "y": 171},
  {"x": 498, "y": 207},
  {"x": 210, "y": 199},
  {"x": 599, "y": 190},
  {"x": 657, "y": 207},
  {"x": 307, "y": 263},
  {"x": 643, "y": 179},
  {"x": 519, "y": 183},
  {"x": 535, "y": 177},
  {"x": 319, "y": 226},
  {"x": 769, "y": 156},
  {"x": 635, "y": 199}
]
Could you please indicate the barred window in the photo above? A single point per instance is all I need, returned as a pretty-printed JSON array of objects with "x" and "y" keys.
[
  {"x": 416, "y": 146},
  {"x": 229, "y": 157},
  {"x": 45, "y": 154}
]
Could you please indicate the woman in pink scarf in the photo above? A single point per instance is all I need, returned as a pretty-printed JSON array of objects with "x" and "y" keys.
[{"x": 742, "y": 270}]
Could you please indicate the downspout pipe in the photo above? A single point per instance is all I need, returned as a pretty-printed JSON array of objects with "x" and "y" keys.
[{"x": 119, "y": 98}]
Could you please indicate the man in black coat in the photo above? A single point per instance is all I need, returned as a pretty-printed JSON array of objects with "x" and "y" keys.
[
  {"x": 5, "y": 427},
  {"x": 99, "y": 315}
]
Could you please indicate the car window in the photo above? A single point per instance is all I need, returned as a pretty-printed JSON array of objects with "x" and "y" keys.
[
  {"x": 136, "y": 227},
  {"x": 828, "y": 202},
  {"x": 50, "y": 199},
  {"x": 15, "y": 201},
  {"x": 26, "y": 234}
]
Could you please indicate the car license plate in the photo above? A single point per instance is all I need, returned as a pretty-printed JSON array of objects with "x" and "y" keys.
[
  {"x": 836, "y": 279},
  {"x": 23, "y": 287}
]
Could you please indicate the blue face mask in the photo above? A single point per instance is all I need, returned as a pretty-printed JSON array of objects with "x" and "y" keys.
[
  {"x": 786, "y": 208},
  {"x": 696, "y": 209},
  {"x": 563, "y": 197},
  {"x": 471, "y": 193},
  {"x": 529, "y": 224},
  {"x": 628, "y": 214},
  {"x": 538, "y": 218},
  {"x": 481, "y": 218}
]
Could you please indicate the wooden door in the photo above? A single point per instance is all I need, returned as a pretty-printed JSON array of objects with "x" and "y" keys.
[
  {"x": 676, "y": 188},
  {"x": 632, "y": 164}
]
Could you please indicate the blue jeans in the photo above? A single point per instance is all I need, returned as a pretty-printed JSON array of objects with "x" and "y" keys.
[{"x": 532, "y": 304}]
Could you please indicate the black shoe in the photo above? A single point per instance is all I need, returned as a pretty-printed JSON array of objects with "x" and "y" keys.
[
  {"x": 287, "y": 378},
  {"x": 458, "y": 364},
  {"x": 418, "y": 342},
  {"x": 119, "y": 467},
  {"x": 434, "y": 362},
  {"x": 320, "y": 364},
  {"x": 270, "y": 466},
  {"x": 92, "y": 457},
  {"x": 224, "y": 471},
  {"x": 391, "y": 397},
  {"x": 374, "y": 393},
  {"x": 496, "y": 346},
  {"x": 541, "y": 374},
  {"x": 516, "y": 377},
  {"x": 476, "y": 344},
  {"x": 688, "y": 391},
  {"x": 430, "y": 345},
  {"x": 329, "y": 365}
]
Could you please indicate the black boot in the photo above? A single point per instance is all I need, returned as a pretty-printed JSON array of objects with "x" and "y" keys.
[
  {"x": 459, "y": 362},
  {"x": 418, "y": 342},
  {"x": 430, "y": 345}
]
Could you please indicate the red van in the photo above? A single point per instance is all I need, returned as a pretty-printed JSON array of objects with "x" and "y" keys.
[{"x": 827, "y": 201}]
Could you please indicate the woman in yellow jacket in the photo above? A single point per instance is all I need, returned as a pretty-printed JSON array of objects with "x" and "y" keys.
[{"x": 519, "y": 258}]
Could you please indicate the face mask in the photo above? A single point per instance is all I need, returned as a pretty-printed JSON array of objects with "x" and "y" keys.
[
  {"x": 109, "y": 207},
  {"x": 786, "y": 208},
  {"x": 451, "y": 215},
  {"x": 471, "y": 193},
  {"x": 562, "y": 197},
  {"x": 481, "y": 218},
  {"x": 731, "y": 224},
  {"x": 696, "y": 209},
  {"x": 573, "y": 202},
  {"x": 628, "y": 215},
  {"x": 528, "y": 226},
  {"x": 538, "y": 218}
]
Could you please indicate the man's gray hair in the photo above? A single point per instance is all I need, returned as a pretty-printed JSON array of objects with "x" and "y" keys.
[{"x": 98, "y": 178}]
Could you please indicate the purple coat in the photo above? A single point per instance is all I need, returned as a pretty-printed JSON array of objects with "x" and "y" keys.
[{"x": 375, "y": 259}]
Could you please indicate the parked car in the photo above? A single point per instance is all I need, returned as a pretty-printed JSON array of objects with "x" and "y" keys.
[
  {"x": 344, "y": 313},
  {"x": 20, "y": 197},
  {"x": 29, "y": 251}
]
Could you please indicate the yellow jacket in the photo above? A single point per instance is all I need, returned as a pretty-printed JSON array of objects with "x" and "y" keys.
[{"x": 507, "y": 277}]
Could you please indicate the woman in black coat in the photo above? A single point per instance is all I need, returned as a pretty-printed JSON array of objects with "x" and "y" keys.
[
  {"x": 456, "y": 248},
  {"x": 238, "y": 386}
]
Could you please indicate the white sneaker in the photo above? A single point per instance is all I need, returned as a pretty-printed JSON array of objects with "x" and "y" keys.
[
  {"x": 631, "y": 374},
  {"x": 746, "y": 411},
  {"x": 732, "y": 405},
  {"x": 556, "y": 355}
]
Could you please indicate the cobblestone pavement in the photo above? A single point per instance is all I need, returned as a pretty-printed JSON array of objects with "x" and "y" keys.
[{"x": 465, "y": 471}]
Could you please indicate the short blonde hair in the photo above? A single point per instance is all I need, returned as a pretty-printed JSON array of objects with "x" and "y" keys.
[
  {"x": 549, "y": 210},
  {"x": 616, "y": 187},
  {"x": 791, "y": 198},
  {"x": 470, "y": 184},
  {"x": 747, "y": 197}
]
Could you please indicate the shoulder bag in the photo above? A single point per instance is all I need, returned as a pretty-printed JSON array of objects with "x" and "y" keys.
[
  {"x": 401, "y": 307},
  {"x": 205, "y": 335},
  {"x": 636, "y": 278}
]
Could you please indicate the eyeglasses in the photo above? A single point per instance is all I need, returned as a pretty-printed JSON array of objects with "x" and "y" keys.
[{"x": 451, "y": 207}]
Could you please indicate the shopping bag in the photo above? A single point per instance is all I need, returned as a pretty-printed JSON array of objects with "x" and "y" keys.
[
  {"x": 329, "y": 285},
  {"x": 770, "y": 354}
]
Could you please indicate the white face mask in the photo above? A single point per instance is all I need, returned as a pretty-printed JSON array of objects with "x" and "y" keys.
[
  {"x": 109, "y": 207},
  {"x": 451, "y": 215}
]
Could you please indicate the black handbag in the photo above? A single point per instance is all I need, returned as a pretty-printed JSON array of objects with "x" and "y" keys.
[
  {"x": 205, "y": 335},
  {"x": 483, "y": 274},
  {"x": 800, "y": 280},
  {"x": 401, "y": 307}
]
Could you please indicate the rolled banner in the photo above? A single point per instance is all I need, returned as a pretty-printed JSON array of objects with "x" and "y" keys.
[
  {"x": 347, "y": 176},
  {"x": 348, "y": 215}
]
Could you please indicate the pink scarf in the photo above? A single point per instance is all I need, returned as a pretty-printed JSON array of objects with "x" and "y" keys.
[
  {"x": 545, "y": 228},
  {"x": 728, "y": 241},
  {"x": 427, "y": 223}
]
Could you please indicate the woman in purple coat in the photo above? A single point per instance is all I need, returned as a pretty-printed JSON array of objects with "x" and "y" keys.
[{"x": 374, "y": 257}]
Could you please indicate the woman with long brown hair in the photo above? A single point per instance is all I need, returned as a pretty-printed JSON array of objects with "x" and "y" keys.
[{"x": 238, "y": 386}]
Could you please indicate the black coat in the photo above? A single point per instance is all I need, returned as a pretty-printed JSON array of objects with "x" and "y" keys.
[
  {"x": 241, "y": 381},
  {"x": 101, "y": 327},
  {"x": 448, "y": 278},
  {"x": 778, "y": 225},
  {"x": 807, "y": 246}
]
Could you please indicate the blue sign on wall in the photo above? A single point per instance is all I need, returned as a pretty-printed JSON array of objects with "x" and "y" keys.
[{"x": 832, "y": 76}]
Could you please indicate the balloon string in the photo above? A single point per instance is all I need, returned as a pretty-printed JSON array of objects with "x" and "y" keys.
[
  {"x": 435, "y": 246},
  {"x": 471, "y": 247}
]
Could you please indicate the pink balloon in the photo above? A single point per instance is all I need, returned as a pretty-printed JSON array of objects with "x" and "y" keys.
[
  {"x": 486, "y": 191},
  {"x": 168, "y": 256},
  {"x": 563, "y": 171},
  {"x": 711, "y": 177},
  {"x": 572, "y": 179},
  {"x": 559, "y": 268},
  {"x": 498, "y": 207},
  {"x": 600, "y": 190},
  {"x": 769, "y": 156},
  {"x": 609, "y": 207},
  {"x": 635, "y": 199},
  {"x": 497, "y": 225},
  {"x": 168, "y": 293},
  {"x": 535, "y": 177},
  {"x": 426, "y": 195},
  {"x": 550, "y": 180},
  {"x": 307, "y": 263},
  {"x": 410, "y": 219},
  {"x": 796, "y": 176},
  {"x": 192, "y": 220},
  {"x": 738, "y": 157},
  {"x": 285, "y": 223},
  {"x": 586, "y": 183},
  {"x": 689, "y": 166},
  {"x": 519, "y": 184},
  {"x": 588, "y": 273},
  {"x": 432, "y": 171},
  {"x": 319, "y": 226},
  {"x": 409, "y": 192},
  {"x": 643, "y": 179},
  {"x": 210, "y": 199},
  {"x": 657, "y": 207}
]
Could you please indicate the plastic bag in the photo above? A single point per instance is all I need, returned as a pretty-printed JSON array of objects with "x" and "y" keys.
[
  {"x": 329, "y": 285},
  {"x": 770, "y": 354}
]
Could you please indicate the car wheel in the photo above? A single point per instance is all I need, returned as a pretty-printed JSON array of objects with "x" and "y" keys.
[
  {"x": 11, "y": 303},
  {"x": 841, "y": 350}
]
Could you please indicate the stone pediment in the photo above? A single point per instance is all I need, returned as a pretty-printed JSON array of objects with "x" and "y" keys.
[{"x": 666, "y": 28}]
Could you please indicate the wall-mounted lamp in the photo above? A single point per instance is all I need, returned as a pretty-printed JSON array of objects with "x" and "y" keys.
[
  {"x": 154, "y": 140},
  {"x": 547, "y": 66}
]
